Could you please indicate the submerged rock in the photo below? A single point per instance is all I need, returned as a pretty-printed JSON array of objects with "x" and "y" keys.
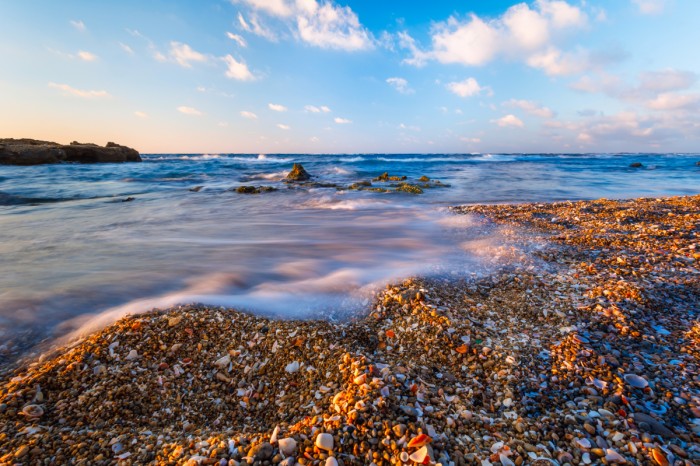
[
  {"x": 254, "y": 189},
  {"x": 298, "y": 173},
  {"x": 424, "y": 179},
  {"x": 35, "y": 152},
  {"x": 386, "y": 177},
  {"x": 409, "y": 188},
  {"x": 636, "y": 165}
]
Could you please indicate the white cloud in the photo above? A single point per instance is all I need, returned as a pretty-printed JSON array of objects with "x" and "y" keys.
[
  {"x": 273, "y": 7},
  {"x": 87, "y": 56},
  {"x": 237, "y": 69},
  {"x": 400, "y": 84},
  {"x": 249, "y": 115},
  {"x": 277, "y": 107},
  {"x": 667, "y": 80},
  {"x": 342, "y": 121},
  {"x": 669, "y": 101},
  {"x": 555, "y": 63},
  {"x": 409, "y": 127},
  {"x": 184, "y": 55},
  {"x": 314, "y": 109},
  {"x": 467, "y": 88},
  {"x": 314, "y": 139},
  {"x": 236, "y": 38},
  {"x": 284, "y": 127},
  {"x": 323, "y": 25},
  {"x": 141, "y": 114},
  {"x": 650, "y": 7},
  {"x": 189, "y": 111},
  {"x": 470, "y": 140},
  {"x": 521, "y": 33},
  {"x": 126, "y": 48},
  {"x": 509, "y": 120},
  {"x": 254, "y": 27},
  {"x": 530, "y": 107},
  {"x": 71, "y": 91},
  {"x": 78, "y": 24}
]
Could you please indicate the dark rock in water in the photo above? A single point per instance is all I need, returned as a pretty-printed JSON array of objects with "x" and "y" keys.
[
  {"x": 298, "y": 173},
  {"x": 129, "y": 199},
  {"x": 254, "y": 189},
  {"x": 385, "y": 177},
  {"x": 649, "y": 424},
  {"x": 409, "y": 188},
  {"x": 697, "y": 163},
  {"x": 360, "y": 184},
  {"x": 196, "y": 189},
  {"x": 636, "y": 165},
  {"x": 424, "y": 179},
  {"x": 34, "y": 152}
]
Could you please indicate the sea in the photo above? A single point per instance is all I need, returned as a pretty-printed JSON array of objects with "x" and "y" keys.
[{"x": 83, "y": 245}]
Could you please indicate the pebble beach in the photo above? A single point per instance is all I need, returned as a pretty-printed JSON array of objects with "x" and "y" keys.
[{"x": 584, "y": 350}]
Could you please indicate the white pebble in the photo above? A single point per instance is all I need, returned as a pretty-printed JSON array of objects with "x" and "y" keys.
[{"x": 324, "y": 441}]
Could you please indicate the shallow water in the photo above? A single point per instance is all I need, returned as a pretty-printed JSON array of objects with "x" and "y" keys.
[{"x": 71, "y": 250}]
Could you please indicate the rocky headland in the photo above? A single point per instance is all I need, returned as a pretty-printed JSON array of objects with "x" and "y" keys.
[{"x": 35, "y": 152}]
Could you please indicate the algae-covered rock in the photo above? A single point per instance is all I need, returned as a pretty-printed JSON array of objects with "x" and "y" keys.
[
  {"x": 386, "y": 177},
  {"x": 424, "y": 179},
  {"x": 360, "y": 185},
  {"x": 254, "y": 189},
  {"x": 298, "y": 173},
  {"x": 409, "y": 188}
]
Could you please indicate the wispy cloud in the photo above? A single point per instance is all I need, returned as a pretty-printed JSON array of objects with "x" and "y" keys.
[
  {"x": 189, "y": 111},
  {"x": 237, "y": 69},
  {"x": 78, "y": 25},
  {"x": 509, "y": 120},
  {"x": 530, "y": 107},
  {"x": 650, "y": 7},
  {"x": 249, "y": 115},
  {"x": 141, "y": 114},
  {"x": 314, "y": 109},
  {"x": 87, "y": 56},
  {"x": 236, "y": 38},
  {"x": 277, "y": 107},
  {"x": 342, "y": 121},
  {"x": 467, "y": 88},
  {"x": 126, "y": 48},
  {"x": 71, "y": 91},
  {"x": 284, "y": 127},
  {"x": 400, "y": 84},
  {"x": 323, "y": 25},
  {"x": 184, "y": 55}
]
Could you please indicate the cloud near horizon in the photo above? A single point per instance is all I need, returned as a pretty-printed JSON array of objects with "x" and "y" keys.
[{"x": 71, "y": 91}]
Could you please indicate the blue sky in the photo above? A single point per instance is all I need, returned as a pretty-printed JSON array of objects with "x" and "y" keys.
[{"x": 255, "y": 76}]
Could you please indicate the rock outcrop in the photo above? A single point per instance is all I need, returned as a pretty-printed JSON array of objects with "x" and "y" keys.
[
  {"x": 298, "y": 173},
  {"x": 34, "y": 152}
]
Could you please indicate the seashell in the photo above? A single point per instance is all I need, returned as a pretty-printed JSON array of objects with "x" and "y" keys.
[
  {"x": 655, "y": 408},
  {"x": 508, "y": 402},
  {"x": 658, "y": 455},
  {"x": 33, "y": 411},
  {"x": 614, "y": 457},
  {"x": 420, "y": 456},
  {"x": 419, "y": 441},
  {"x": 496, "y": 447},
  {"x": 583, "y": 443},
  {"x": 384, "y": 391},
  {"x": 287, "y": 445},
  {"x": 360, "y": 379},
  {"x": 390, "y": 333},
  {"x": 461, "y": 349},
  {"x": 505, "y": 461},
  {"x": 636, "y": 381},
  {"x": 133, "y": 354},
  {"x": 404, "y": 457},
  {"x": 330, "y": 461},
  {"x": 324, "y": 441},
  {"x": 292, "y": 367},
  {"x": 224, "y": 361}
]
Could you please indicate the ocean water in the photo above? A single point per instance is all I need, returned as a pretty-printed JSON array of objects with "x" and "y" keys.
[{"x": 75, "y": 256}]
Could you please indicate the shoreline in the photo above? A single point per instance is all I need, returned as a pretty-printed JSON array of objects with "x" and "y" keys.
[{"x": 587, "y": 350}]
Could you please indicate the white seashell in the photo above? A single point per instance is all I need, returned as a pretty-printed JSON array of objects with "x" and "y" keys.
[
  {"x": 419, "y": 455},
  {"x": 404, "y": 457},
  {"x": 324, "y": 441},
  {"x": 450, "y": 398},
  {"x": 583, "y": 442},
  {"x": 133, "y": 354},
  {"x": 287, "y": 445},
  {"x": 496, "y": 447},
  {"x": 613, "y": 456},
  {"x": 505, "y": 461},
  {"x": 224, "y": 361},
  {"x": 636, "y": 381},
  {"x": 330, "y": 461},
  {"x": 292, "y": 367},
  {"x": 275, "y": 433},
  {"x": 510, "y": 359},
  {"x": 508, "y": 402}
]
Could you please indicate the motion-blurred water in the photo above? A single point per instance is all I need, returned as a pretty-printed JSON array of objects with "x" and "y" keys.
[{"x": 71, "y": 249}]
